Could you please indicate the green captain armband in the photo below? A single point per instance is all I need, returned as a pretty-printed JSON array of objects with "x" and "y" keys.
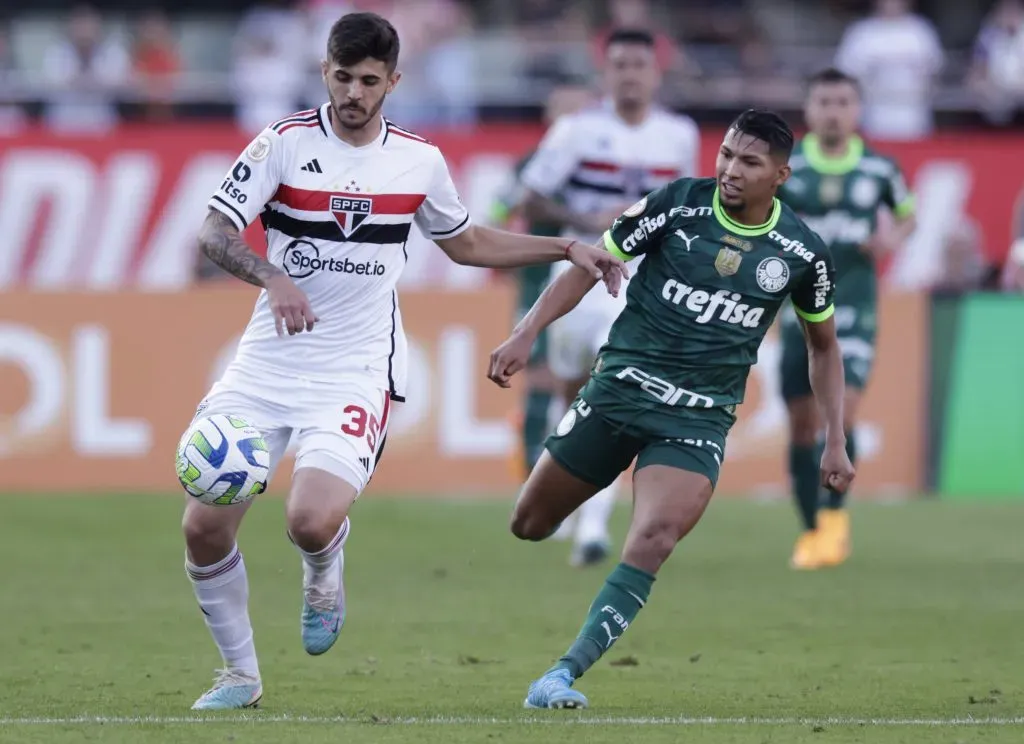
[
  {"x": 611, "y": 247},
  {"x": 821, "y": 317},
  {"x": 905, "y": 208}
]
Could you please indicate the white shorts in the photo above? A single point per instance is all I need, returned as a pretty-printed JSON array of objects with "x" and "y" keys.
[
  {"x": 576, "y": 337},
  {"x": 339, "y": 429}
]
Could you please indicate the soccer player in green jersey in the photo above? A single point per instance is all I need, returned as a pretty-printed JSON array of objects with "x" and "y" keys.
[
  {"x": 721, "y": 255},
  {"x": 837, "y": 187}
]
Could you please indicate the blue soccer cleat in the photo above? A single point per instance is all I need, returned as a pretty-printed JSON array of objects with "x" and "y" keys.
[
  {"x": 323, "y": 607},
  {"x": 554, "y": 690},
  {"x": 232, "y": 690}
]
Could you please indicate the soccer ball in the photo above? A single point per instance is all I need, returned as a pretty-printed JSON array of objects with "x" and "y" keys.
[{"x": 222, "y": 460}]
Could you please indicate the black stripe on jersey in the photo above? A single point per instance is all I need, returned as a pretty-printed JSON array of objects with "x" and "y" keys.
[
  {"x": 295, "y": 228},
  {"x": 601, "y": 188},
  {"x": 294, "y": 120},
  {"x": 320, "y": 121},
  {"x": 241, "y": 218},
  {"x": 457, "y": 227},
  {"x": 380, "y": 450},
  {"x": 391, "y": 356}
]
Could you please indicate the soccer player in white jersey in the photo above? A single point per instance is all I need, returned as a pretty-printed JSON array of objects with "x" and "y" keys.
[
  {"x": 589, "y": 167},
  {"x": 337, "y": 189}
]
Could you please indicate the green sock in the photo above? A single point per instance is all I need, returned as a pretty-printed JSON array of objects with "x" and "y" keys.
[
  {"x": 835, "y": 500},
  {"x": 535, "y": 426},
  {"x": 624, "y": 592},
  {"x": 804, "y": 472}
]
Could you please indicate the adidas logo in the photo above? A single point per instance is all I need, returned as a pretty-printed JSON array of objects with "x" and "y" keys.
[
  {"x": 365, "y": 462},
  {"x": 312, "y": 167}
]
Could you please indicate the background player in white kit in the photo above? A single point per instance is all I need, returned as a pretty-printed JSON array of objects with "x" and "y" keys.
[
  {"x": 337, "y": 189},
  {"x": 590, "y": 167}
]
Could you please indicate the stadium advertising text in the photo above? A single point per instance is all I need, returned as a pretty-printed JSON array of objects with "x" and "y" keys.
[{"x": 94, "y": 383}]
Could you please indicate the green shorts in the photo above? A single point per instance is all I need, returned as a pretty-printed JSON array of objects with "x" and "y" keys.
[
  {"x": 597, "y": 450},
  {"x": 855, "y": 327}
]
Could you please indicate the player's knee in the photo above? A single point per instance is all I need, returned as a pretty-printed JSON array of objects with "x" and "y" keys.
[
  {"x": 207, "y": 538},
  {"x": 527, "y": 525},
  {"x": 311, "y": 529},
  {"x": 654, "y": 542}
]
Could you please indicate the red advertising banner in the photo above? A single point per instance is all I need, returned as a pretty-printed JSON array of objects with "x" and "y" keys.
[{"x": 121, "y": 210}]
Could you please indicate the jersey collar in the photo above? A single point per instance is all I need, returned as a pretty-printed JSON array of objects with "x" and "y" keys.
[
  {"x": 833, "y": 166},
  {"x": 325, "y": 120},
  {"x": 748, "y": 231}
]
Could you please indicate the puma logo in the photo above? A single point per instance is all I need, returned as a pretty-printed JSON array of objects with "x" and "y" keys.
[
  {"x": 685, "y": 238},
  {"x": 611, "y": 638}
]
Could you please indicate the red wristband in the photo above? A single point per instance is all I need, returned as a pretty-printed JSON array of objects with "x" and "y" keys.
[{"x": 571, "y": 244}]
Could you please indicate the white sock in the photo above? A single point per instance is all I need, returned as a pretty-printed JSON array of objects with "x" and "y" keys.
[
  {"x": 592, "y": 522},
  {"x": 320, "y": 568},
  {"x": 222, "y": 591}
]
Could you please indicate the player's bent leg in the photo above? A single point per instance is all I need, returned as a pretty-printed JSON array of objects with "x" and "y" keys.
[
  {"x": 672, "y": 486},
  {"x": 548, "y": 497},
  {"x": 318, "y": 525}
]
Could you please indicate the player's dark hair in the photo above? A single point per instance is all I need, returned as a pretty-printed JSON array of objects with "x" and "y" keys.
[
  {"x": 767, "y": 126},
  {"x": 832, "y": 76},
  {"x": 358, "y": 36},
  {"x": 630, "y": 36}
]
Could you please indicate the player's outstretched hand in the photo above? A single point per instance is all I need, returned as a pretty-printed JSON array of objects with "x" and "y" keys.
[
  {"x": 600, "y": 264},
  {"x": 837, "y": 471},
  {"x": 289, "y": 305},
  {"x": 509, "y": 358}
]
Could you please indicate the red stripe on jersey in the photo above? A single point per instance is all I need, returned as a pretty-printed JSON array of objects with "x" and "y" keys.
[
  {"x": 665, "y": 172},
  {"x": 320, "y": 201},
  {"x": 286, "y": 127},
  {"x": 408, "y": 135},
  {"x": 296, "y": 115},
  {"x": 600, "y": 165}
]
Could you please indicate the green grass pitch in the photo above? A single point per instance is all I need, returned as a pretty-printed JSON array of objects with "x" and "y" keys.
[{"x": 917, "y": 639}]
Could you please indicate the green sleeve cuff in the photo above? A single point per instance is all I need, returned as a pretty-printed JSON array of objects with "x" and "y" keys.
[
  {"x": 821, "y": 317},
  {"x": 609, "y": 245}
]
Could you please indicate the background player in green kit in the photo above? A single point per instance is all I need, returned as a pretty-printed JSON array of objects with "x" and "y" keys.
[
  {"x": 837, "y": 187},
  {"x": 721, "y": 255},
  {"x": 533, "y": 419}
]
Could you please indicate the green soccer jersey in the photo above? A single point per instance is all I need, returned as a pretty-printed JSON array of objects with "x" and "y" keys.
[
  {"x": 700, "y": 303},
  {"x": 839, "y": 198}
]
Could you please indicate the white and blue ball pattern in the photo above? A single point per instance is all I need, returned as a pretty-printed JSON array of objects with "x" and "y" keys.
[{"x": 222, "y": 460}]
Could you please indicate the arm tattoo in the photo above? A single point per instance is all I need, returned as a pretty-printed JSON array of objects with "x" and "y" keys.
[{"x": 222, "y": 244}]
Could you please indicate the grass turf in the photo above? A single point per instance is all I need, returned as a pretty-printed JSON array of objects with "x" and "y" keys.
[{"x": 450, "y": 618}]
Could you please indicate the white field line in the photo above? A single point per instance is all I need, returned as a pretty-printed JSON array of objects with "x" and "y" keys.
[{"x": 556, "y": 719}]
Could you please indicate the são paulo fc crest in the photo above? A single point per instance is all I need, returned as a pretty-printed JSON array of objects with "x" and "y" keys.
[
  {"x": 350, "y": 211},
  {"x": 772, "y": 274}
]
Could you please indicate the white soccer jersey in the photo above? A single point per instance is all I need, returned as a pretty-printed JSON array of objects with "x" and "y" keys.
[
  {"x": 337, "y": 219},
  {"x": 595, "y": 161}
]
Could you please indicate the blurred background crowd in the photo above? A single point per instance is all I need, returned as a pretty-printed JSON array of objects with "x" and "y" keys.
[{"x": 923, "y": 64}]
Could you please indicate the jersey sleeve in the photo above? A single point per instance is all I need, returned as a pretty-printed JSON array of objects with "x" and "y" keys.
[
  {"x": 897, "y": 195},
  {"x": 555, "y": 160},
  {"x": 252, "y": 180},
  {"x": 442, "y": 214},
  {"x": 641, "y": 227},
  {"x": 813, "y": 297}
]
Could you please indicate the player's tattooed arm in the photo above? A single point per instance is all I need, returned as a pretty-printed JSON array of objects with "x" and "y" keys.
[{"x": 221, "y": 242}]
